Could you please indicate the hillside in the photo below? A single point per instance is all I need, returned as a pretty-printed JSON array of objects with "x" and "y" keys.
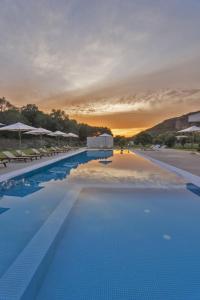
[{"x": 171, "y": 125}]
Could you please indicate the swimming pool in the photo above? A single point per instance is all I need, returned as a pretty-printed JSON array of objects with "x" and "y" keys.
[{"x": 131, "y": 230}]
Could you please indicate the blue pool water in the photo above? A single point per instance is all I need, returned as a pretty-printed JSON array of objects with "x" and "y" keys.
[{"x": 133, "y": 232}]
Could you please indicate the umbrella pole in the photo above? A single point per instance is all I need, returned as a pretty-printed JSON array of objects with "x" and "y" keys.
[
  {"x": 20, "y": 138},
  {"x": 193, "y": 139},
  {"x": 41, "y": 139}
]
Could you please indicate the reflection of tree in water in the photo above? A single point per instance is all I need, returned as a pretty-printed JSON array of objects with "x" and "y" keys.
[{"x": 24, "y": 186}]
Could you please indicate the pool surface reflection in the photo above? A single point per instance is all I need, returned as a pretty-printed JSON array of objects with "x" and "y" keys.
[{"x": 132, "y": 233}]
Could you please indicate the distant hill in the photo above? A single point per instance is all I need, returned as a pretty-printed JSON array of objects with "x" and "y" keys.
[{"x": 171, "y": 125}]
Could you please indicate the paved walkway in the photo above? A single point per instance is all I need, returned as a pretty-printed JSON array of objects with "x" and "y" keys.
[{"x": 185, "y": 160}]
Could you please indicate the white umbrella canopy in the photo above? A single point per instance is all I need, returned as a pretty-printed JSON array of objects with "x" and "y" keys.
[
  {"x": 18, "y": 127},
  {"x": 105, "y": 134},
  {"x": 57, "y": 133},
  {"x": 70, "y": 134},
  {"x": 181, "y": 137},
  {"x": 190, "y": 129},
  {"x": 66, "y": 135},
  {"x": 39, "y": 131}
]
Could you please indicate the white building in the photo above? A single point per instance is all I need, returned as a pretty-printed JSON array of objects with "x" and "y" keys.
[
  {"x": 103, "y": 141},
  {"x": 194, "y": 118}
]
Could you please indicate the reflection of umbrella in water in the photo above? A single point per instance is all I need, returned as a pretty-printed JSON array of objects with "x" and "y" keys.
[{"x": 100, "y": 154}]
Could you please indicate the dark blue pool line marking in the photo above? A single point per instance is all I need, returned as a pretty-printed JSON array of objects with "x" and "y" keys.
[{"x": 193, "y": 188}]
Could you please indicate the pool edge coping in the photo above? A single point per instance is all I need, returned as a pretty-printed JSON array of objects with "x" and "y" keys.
[{"x": 180, "y": 172}]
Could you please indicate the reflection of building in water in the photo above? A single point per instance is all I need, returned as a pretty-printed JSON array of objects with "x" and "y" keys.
[
  {"x": 99, "y": 154},
  {"x": 104, "y": 141}
]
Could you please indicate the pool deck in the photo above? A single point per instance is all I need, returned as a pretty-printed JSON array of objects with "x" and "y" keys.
[{"x": 185, "y": 160}]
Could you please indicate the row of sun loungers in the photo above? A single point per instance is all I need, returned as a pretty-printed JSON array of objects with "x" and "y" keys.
[{"x": 21, "y": 155}]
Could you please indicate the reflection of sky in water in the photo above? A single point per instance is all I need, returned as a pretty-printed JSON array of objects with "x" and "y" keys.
[
  {"x": 126, "y": 168},
  {"x": 135, "y": 244},
  {"x": 93, "y": 167},
  {"x": 54, "y": 175},
  {"x": 27, "y": 202}
]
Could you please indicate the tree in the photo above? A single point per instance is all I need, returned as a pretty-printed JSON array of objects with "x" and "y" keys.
[
  {"x": 143, "y": 138},
  {"x": 56, "y": 120},
  {"x": 5, "y": 105},
  {"x": 120, "y": 140},
  {"x": 30, "y": 112},
  {"x": 183, "y": 141},
  {"x": 170, "y": 141}
]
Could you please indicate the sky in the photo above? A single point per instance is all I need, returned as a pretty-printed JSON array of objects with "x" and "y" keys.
[{"x": 125, "y": 64}]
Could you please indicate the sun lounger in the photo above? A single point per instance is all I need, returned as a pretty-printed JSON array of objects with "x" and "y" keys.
[
  {"x": 39, "y": 152},
  {"x": 68, "y": 148},
  {"x": 45, "y": 152},
  {"x": 35, "y": 151},
  {"x": 11, "y": 157},
  {"x": 3, "y": 161},
  {"x": 54, "y": 150},
  {"x": 58, "y": 149},
  {"x": 21, "y": 153}
]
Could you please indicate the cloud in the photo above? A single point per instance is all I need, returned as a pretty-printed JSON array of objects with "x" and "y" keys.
[
  {"x": 95, "y": 58},
  {"x": 162, "y": 88}
]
